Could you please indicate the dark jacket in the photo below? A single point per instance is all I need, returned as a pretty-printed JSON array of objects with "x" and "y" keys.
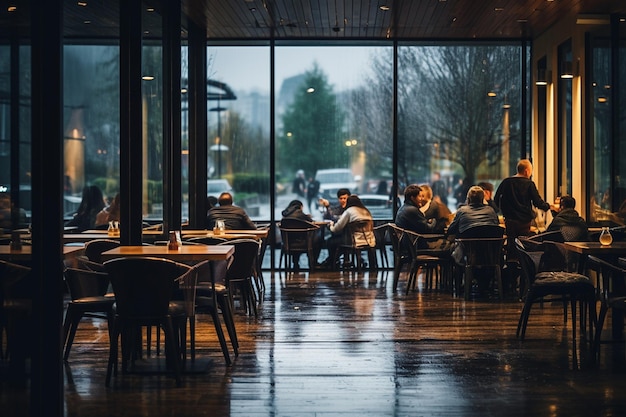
[
  {"x": 516, "y": 197},
  {"x": 295, "y": 212},
  {"x": 567, "y": 217},
  {"x": 410, "y": 217},
  {"x": 470, "y": 216},
  {"x": 235, "y": 218}
]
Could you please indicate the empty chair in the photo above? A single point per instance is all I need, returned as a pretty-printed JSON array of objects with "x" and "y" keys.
[
  {"x": 89, "y": 298},
  {"x": 240, "y": 273},
  {"x": 144, "y": 288},
  {"x": 552, "y": 278},
  {"x": 401, "y": 253},
  {"x": 207, "y": 240},
  {"x": 94, "y": 248},
  {"x": 212, "y": 298},
  {"x": 382, "y": 240}
]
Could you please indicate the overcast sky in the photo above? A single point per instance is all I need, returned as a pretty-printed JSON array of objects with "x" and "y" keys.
[{"x": 247, "y": 68}]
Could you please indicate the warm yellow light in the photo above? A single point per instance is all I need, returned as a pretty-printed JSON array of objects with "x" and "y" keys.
[{"x": 491, "y": 94}]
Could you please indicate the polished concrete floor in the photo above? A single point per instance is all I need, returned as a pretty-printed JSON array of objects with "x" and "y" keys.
[{"x": 346, "y": 344}]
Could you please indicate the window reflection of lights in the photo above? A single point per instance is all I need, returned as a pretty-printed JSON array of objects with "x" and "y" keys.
[
  {"x": 185, "y": 152},
  {"x": 183, "y": 91},
  {"x": 310, "y": 90},
  {"x": 351, "y": 142},
  {"x": 147, "y": 77},
  {"x": 607, "y": 86},
  {"x": 11, "y": 8},
  {"x": 289, "y": 134},
  {"x": 82, "y": 3},
  {"x": 491, "y": 94},
  {"x": 602, "y": 99},
  {"x": 506, "y": 106},
  {"x": 385, "y": 8},
  {"x": 87, "y": 22},
  {"x": 150, "y": 9}
]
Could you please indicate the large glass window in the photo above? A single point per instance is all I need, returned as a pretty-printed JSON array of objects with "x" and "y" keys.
[
  {"x": 238, "y": 122},
  {"x": 334, "y": 108},
  {"x": 91, "y": 122},
  {"x": 459, "y": 116}
]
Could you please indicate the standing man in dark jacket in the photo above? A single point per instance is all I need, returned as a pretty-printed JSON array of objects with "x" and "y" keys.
[{"x": 517, "y": 196}]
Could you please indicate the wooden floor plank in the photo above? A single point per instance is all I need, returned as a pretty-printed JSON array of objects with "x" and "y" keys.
[{"x": 339, "y": 343}]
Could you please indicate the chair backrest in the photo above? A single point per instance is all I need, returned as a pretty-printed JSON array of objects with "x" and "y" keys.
[
  {"x": 574, "y": 233},
  {"x": 14, "y": 281},
  {"x": 483, "y": 231},
  {"x": 94, "y": 248},
  {"x": 483, "y": 251},
  {"x": 206, "y": 240},
  {"x": 82, "y": 283},
  {"x": 297, "y": 235},
  {"x": 361, "y": 233},
  {"x": 556, "y": 258},
  {"x": 529, "y": 262},
  {"x": 396, "y": 235},
  {"x": 244, "y": 258},
  {"x": 144, "y": 286},
  {"x": 381, "y": 233},
  {"x": 187, "y": 283}
]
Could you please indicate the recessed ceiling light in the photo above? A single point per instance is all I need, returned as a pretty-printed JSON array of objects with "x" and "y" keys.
[
  {"x": 384, "y": 8},
  {"x": 82, "y": 3},
  {"x": 150, "y": 9},
  {"x": 148, "y": 77},
  {"x": 11, "y": 8}
]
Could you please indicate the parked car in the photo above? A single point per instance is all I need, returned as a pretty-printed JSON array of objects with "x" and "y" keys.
[
  {"x": 218, "y": 186},
  {"x": 333, "y": 179},
  {"x": 379, "y": 205}
]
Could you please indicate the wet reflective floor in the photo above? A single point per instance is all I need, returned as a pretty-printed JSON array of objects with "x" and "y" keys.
[{"x": 346, "y": 344}]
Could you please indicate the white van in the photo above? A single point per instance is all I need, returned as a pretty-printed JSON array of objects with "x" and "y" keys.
[{"x": 333, "y": 179}]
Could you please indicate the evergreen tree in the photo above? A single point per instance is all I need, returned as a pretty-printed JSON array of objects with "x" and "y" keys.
[{"x": 312, "y": 133}]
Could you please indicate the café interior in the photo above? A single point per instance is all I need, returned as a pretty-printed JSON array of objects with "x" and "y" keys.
[{"x": 569, "y": 121}]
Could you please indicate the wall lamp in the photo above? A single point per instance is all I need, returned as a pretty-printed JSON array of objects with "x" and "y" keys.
[{"x": 566, "y": 70}]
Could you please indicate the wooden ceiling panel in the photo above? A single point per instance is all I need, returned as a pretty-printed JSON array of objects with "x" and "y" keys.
[{"x": 320, "y": 19}]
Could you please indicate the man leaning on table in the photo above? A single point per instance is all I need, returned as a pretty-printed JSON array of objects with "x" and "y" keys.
[{"x": 235, "y": 218}]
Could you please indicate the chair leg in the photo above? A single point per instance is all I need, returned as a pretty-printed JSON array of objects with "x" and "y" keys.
[
  {"x": 171, "y": 349},
  {"x": 72, "y": 318},
  {"x": 229, "y": 321},
  {"x": 596, "y": 340},
  {"x": 220, "y": 334},
  {"x": 468, "y": 282}
]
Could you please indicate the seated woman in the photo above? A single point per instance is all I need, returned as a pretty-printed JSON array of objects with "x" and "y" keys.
[{"x": 355, "y": 211}]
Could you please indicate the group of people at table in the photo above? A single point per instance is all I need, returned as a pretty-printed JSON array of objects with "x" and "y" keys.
[{"x": 516, "y": 199}]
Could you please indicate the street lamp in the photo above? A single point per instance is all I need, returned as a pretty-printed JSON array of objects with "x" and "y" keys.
[{"x": 218, "y": 147}]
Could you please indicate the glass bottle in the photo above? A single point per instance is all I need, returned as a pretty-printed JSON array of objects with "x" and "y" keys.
[
  {"x": 173, "y": 242},
  {"x": 605, "y": 236},
  {"x": 111, "y": 229}
]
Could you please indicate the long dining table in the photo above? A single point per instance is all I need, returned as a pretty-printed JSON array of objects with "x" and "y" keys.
[
  {"x": 181, "y": 254},
  {"x": 26, "y": 252},
  {"x": 226, "y": 234}
]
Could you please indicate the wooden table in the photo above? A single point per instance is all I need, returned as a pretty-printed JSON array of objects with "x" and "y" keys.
[
  {"x": 228, "y": 234},
  {"x": 183, "y": 253},
  {"x": 609, "y": 253},
  {"x": 25, "y": 254}
]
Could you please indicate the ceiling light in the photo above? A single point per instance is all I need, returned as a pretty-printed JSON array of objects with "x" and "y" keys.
[
  {"x": 11, "y": 8},
  {"x": 310, "y": 90},
  {"x": 385, "y": 8},
  {"x": 147, "y": 77},
  {"x": 491, "y": 94},
  {"x": 593, "y": 19},
  {"x": 82, "y": 3}
]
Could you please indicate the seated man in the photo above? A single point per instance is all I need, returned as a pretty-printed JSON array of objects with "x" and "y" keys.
[
  {"x": 474, "y": 213},
  {"x": 410, "y": 216},
  {"x": 235, "y": 218},
  {"x": 566, "y": 215},
  {"x": 334, "y": 212}
]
